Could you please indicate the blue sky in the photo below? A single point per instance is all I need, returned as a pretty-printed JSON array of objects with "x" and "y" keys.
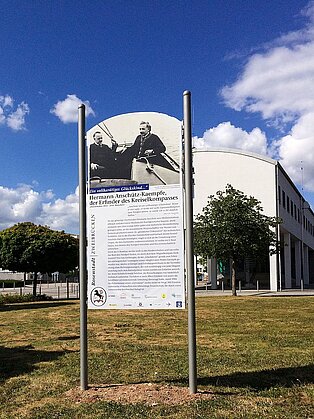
[{"x": 249, "y": 66}]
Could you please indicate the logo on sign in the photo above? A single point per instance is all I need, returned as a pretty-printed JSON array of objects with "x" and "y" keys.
[{"x": 98, "y": 296}]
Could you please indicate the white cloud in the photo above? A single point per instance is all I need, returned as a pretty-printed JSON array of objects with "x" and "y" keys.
[
  {"x": 228, "y": 136},
  {"x": 14, "y": 119},
  {"x": 25, "y": 204},
  {"x": 62, "y": 214},
  {"x": 6, "y": 101},
  {"x": 278, "y": 83},
  {"x": 67, "y": 110},
  {"x": 296, "y": 151},
  {"x": 2, "y": 116}
]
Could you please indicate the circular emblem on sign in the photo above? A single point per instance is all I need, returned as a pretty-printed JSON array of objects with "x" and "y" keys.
[{"x": 98, "y": 296}]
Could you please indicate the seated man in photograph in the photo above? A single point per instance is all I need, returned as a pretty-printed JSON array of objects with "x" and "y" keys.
[
  {"x": 146, "y": 145},
  {"x": 104, "y": 161}
]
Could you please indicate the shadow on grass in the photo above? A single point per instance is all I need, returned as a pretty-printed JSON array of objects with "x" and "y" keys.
[
  {"x": 23, "y": 359},
  {"x": 261, "y": 380},
  {"x": 33, "y": 305}
]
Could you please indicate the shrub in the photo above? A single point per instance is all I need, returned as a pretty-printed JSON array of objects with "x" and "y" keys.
[{"x": 15, "y": 298}]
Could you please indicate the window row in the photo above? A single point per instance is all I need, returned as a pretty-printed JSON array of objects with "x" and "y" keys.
[{"x": 295, "y": 212}]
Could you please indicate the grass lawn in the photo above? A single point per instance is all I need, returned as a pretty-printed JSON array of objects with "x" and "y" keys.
[{"x": 255, "y": 358}]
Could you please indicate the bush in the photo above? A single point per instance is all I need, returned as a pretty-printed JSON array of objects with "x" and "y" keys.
[{"x": 15, "y": 298}]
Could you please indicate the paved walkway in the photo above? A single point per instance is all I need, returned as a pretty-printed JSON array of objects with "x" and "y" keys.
[
  {"x": 262, "y": 293},
  {"x": 62, "y": 291}
]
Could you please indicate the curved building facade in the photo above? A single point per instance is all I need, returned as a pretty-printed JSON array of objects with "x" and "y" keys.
[{"x": 266, "y": 180}]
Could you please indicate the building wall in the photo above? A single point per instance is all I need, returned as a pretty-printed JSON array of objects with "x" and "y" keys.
[
  {"x": 296, "y": 235},
  {"x": 291, "y": 209},
  {"x": 249, "y": 173},
  {"x": 267, "y": 181},
  {"x": 5, "y": 274}
]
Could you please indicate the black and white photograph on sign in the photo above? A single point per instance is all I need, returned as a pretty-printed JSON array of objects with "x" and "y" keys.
[{"x": 133, "y": 149}]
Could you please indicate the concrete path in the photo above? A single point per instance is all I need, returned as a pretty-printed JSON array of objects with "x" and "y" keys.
[
  {"x": 61, "y": 291},
  {"x": 262, "y": 293}
]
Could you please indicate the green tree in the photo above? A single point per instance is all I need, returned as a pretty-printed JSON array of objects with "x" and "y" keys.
[
  {"x": 27, "y": 247},
  {"x": 232, "y": 226}
]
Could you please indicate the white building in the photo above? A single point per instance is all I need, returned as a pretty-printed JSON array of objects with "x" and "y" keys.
[
  {"x": 13, "y": 276},
  {"x": 266, "y": 180}
]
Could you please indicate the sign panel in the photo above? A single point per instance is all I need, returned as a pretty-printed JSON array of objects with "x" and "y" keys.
[{"x": 135, "y": 213}]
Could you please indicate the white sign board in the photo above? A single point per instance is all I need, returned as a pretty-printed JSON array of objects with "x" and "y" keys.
[{"x": 135, "y": 213}]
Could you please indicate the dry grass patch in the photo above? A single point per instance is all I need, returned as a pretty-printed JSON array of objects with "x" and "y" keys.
[{"x": 148, "y": 393}]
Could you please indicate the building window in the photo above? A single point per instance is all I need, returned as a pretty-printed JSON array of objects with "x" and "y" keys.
[
  {"x": 279, "y": 194},
  {"x": 298, "y": 215},
  {"x": 291, "y": 208},
  {"x": 284, "y": 199},
  {"x": 288, "y": 204},
  {"x": 295, "y": 211}
]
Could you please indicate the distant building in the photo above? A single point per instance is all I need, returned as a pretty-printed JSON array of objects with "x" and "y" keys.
[
  {"x": 13, "y": 276},
  {"x": 5, "y": 275},
  {"x": 267, "y": 181}
]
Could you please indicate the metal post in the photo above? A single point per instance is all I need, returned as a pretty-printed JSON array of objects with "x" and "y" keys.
[
  {"x": 68, "y": 289},
  {"x": 82, "y": 248},
  {"x": 240, "y": 286},
  {"x": 188, "y": 180},
  {"x": 257, "y": 285},
  {"x": 302, "y": 246}
]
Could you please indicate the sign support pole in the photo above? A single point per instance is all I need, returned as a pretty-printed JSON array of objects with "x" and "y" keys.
[
  {"x": 188, "y": 181},
  {"x": 82, "y": 248}
]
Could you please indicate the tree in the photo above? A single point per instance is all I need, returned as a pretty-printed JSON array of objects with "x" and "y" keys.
[
  {"x": 27, "y": 247},
  {"x": 232, "y": 226}
]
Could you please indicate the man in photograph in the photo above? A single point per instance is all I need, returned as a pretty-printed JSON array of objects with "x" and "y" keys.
[
  {"x": 103, "y": 159},
  {"x": 146, "y": 144}
]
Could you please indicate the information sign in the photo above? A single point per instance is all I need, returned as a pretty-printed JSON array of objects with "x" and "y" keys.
[{"x": 135, "y": 213}]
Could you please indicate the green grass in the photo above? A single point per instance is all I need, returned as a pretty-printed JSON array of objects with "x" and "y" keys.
[{"x": 255, "y": 356}]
